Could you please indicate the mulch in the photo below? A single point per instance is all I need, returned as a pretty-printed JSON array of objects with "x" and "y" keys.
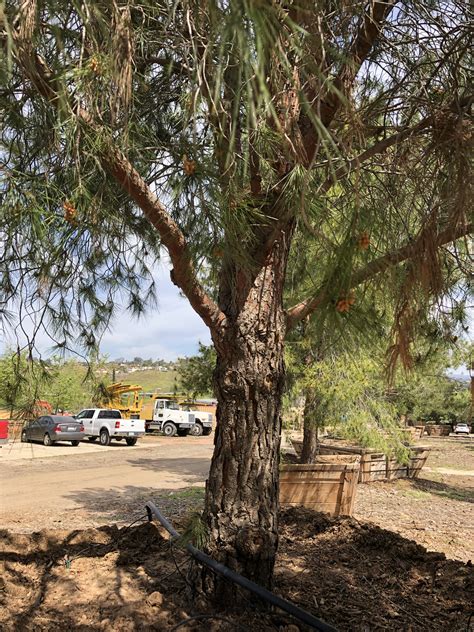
[{"x": 355, "y": 576}]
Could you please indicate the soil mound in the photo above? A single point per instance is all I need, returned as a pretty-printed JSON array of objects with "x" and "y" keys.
[{"x": 353, "y": 575}]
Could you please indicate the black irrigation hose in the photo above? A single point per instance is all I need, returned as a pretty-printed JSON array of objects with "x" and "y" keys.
[{"x": 263, "y": 593}]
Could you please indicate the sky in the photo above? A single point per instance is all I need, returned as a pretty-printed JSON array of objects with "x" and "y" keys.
[
  {"x": 170, "y": 331},
  {"x": 166, "y": 332}
]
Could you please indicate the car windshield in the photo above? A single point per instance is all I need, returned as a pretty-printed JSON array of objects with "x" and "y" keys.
[{"x": 171, "y": 405}]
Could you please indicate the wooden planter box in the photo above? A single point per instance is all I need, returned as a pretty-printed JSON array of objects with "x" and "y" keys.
[
  {"x": 298, "y": 446},
  {"x": 373, "y": 464},
  {"x": 438, "y": 430},
  {"x": 419, "y": 454},
  {"x": 14, "y": 430},
  {"x": 416, "y": 432},
  {"x": 329, "y": 485},
  {"x": 376, "y": 466}
]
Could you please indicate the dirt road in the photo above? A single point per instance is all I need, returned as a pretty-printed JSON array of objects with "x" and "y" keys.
[
  {"x": 93, "y": 487},
  {"x": 75, "y": 488}
]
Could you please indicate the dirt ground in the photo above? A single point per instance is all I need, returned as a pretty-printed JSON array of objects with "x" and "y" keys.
[
  {"x": 437, "y": 509},
  {"x": 364, "y": 574},
  {"x": 90, "y": 488},
  {"x": 355, "y": 576}
]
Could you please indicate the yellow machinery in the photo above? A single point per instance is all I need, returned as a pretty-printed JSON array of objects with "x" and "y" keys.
[
  {"x": 133, "y": 402},
  {"x": 123, "y": 397}
]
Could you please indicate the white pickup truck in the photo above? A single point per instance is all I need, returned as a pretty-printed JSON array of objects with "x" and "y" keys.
[{"x": 106, "y": 425}]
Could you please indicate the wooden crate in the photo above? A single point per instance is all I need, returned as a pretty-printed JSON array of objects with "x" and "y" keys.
[
  {"x": 14, "y": 430},
  {"x": 329, "y": 485},
  {"x": 374, "y": 465},
  {"x": 395, "y": 469},
  {"x": 415, "y": 432},
  {"x": 297, "y": 446},
  {"x": 438, "y": 430},
  {"x": 418, "y": 457}
]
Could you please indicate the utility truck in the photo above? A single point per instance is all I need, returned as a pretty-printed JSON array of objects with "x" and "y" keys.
[
  {"x": 106, "y": 424},
  {"x": 166, "y": 416},
  {"x": 171, "y": 414}
]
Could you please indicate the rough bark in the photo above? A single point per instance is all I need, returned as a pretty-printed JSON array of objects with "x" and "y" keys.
[{"x": 241, "y": 508}]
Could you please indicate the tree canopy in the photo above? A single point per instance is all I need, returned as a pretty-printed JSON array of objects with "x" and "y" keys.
[
  {"x": 207, "y": 127},
  {"x": 233, "y": 134},
  {"x": 196, "y": 371}
]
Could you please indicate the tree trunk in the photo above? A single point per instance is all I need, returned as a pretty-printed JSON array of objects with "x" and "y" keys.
[
  {"x": 310, "y": 430},
  {"x": 241, "y": 506}
]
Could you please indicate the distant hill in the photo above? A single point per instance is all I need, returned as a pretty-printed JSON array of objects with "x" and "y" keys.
[{"x": 151, "y": 379}]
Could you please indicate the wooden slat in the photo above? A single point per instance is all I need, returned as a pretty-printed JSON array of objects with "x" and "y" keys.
[{"x": 328, "y": 485}]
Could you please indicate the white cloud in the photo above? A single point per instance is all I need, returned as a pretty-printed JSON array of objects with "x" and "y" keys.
[{"x": 170, "y": 330}]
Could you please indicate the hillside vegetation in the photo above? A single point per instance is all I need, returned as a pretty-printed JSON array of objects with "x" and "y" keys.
[{"x": 151, "y": 380}]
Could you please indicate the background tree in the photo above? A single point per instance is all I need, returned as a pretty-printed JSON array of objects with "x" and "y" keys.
[
  {"x": 222, "y": 132},
  {"x": 363, "y": 334},
  {"x": 22, "y": 382},
  {"x": 196, "y": 371},
  {"x": 346, "y": 390},
  {"x": 71, "y": 385},
  {"x": 430, "y": 391}
]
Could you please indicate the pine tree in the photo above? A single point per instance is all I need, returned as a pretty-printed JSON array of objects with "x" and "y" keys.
[{"x": 220, "y": 132}]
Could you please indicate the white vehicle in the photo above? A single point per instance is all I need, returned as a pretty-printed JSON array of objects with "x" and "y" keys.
[
  {"x": 105, "y": 425},
  {"x": 461, "y": 429},
  {"x": 202, "y": 424},
  {"x": 172, "y": 420}
]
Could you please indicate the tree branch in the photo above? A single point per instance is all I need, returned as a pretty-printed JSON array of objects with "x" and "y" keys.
[
  {"x": 381, "y": 146},
  {"x": 363, "y": 43},
  {"x": 372, "y": 269},
  {"x": 326, "y": 109},
  {"x": 118, "y": 166}
]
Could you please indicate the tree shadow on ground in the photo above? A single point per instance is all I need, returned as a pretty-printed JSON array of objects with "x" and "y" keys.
[
  {"x": 132, "y": 579},
  {"x": 174, "y": 477},
  {"x": 89, "y": 580},
  {"x": 353, "y": 575},
  {"x": 190, "y": 467},
  {"x": 124, "y": 502},
  {"x": 453, "y": 492}
]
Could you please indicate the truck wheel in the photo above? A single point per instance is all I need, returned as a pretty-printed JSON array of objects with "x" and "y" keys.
[
  {"x": 207, "y": 431},
  {"x": 131, "y": 440},
  {"x": 169, "y": 429},
  {"x": 47, "y": 440},
  {"x": 196, "y": 430},
  {"x": 75, "y": 443},
  {"x": 92, "y": 439},
  {"x": 104, "y": 437},
  {"x": 183, "y": 432}
]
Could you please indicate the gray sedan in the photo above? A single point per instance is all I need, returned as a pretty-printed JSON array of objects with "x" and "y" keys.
[{"x": 52, "y": 428}]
